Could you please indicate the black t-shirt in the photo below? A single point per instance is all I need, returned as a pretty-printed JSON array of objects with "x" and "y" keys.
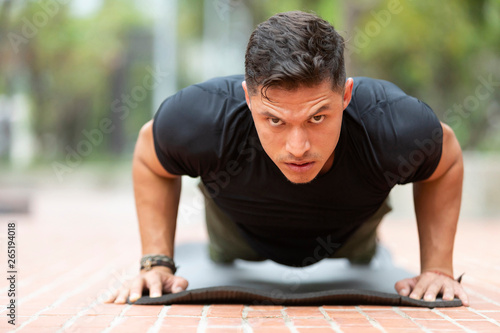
[{"x": 387, "y": 138}]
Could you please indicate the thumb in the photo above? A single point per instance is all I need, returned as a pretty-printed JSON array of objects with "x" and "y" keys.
[{"x": 179, "y": 284}]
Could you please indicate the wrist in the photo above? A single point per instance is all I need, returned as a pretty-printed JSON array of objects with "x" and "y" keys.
[
  {"x": 445, "y": 266},
  {"x": 160, "y": 269},
  {"x": 440, "y": 273},
  {"x": 149, "y": 261}
]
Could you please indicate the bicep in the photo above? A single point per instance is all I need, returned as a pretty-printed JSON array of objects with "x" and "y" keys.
[
  {"x": 451, "y": 154},
  {"x": 145, "y": 153}
]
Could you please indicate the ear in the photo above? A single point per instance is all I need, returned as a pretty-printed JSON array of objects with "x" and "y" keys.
[
  {"x": 347, "y": 92},
  {"x": 247, "y": 96}
]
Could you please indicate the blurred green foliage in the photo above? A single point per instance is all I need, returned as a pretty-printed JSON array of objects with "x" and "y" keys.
[
  {"x": 72, "y": 69},
  {"x": 442, "y": 52},
  {"x": 75, "y": 68}
]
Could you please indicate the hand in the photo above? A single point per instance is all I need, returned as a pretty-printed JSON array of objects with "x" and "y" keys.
[
  {"x": 428, "y": 285},
  {"x": 157, "y": 280}
]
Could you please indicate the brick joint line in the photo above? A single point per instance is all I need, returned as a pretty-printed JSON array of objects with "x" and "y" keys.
[
  {"x": 406, "y": 316},
  {"x": 81, "y": 270},
  {"x": 94, "y": 278},
  {"x": 84, "y": 269},
  {"x": 118, "y": 319},
  {"x": 451, "y": 320},
  {"x": 202, "y": 325},
  {"x": 491, "y": 320},
  {"x": 484, "y": 283},
  {"x": 332, "y": 323},
  {"x": 487, "y": 299},
  {"x": 288, "y": 321},
  {"x": 161, "y": 316},
  {"x": 372, "y": 321},
  {"x": 247, "y": 328}
]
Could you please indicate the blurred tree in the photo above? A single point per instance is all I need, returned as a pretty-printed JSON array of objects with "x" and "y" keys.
[
  {"x": 5, "y": 81},
  {"x": 77, "y": 70},
  {"x": 440, "y": 53}
]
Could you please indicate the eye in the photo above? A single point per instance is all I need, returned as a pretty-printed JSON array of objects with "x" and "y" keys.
[
  {"x": 317, "y": 119},
  {"x": 275, "y": 121}
]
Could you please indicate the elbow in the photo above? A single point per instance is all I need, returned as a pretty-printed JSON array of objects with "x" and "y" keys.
[
  {"x": 451, "y": 144},
  {"x": 145, "y": 136}
]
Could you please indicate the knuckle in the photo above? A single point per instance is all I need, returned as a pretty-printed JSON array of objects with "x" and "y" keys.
[
  {"x": 124, "y": 291},
  {"x": 400, "y": 284},
  {"x": 155, "y": 283},
  {"x": 419, "y": 286},
  {"x": 137, "y": 284},
  {"x": 437, "y": 285}
]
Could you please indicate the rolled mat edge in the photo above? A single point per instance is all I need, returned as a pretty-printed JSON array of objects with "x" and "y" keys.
[{"x": 242, "y": 295}]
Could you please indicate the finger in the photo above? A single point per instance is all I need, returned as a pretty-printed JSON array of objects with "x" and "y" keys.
[
  {"x": 404, "y": 287},
  {"x": 179, "y": 284},
  {"x": 460, "y": 292},
  {"x": 136, "y": 289},
  {"x": 153, "y": 282},
  {"x": 433, "y": 290},
  {"x": 111, "y": 297},
  {"x": 122, "y": 296},
  {"x": 448, "y": 291},
  {"x": 420, "y": 287}
]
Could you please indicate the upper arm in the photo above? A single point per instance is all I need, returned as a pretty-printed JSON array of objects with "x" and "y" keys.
[
  {"x": 451, "y": 154},
  {"x": 145, "y": 153}
]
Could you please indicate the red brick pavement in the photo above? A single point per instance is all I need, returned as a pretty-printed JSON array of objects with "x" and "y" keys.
[{"x": 70, "y": 256}]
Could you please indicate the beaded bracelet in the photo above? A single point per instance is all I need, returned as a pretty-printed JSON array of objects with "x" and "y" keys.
[{"x": 151, "y": 260}]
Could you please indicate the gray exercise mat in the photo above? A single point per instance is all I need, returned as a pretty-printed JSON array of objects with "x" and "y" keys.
[{"x": 329, "y": 282}]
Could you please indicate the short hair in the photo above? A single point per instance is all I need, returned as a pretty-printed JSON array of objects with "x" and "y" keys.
[{"x": 294, "y": 49}]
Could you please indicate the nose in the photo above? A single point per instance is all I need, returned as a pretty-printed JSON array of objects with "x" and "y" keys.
[{"x": 297, "y": 142}]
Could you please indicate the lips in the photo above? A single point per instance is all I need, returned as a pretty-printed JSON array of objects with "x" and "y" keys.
[{"x": 300, "y": 166}]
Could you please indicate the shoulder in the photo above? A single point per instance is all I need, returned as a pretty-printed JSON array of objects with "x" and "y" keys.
[
  {"x": 376, "y": 98},
  {"x": 198, "y": 109},
  {"x": 387, "y": 112},
  {"x": 404, "y": 133},
  {"x": 369, "y": 93},
  {"x": 224, "y": 87},
  {"x": 202, "y": 100},
  {"x": 192, "y": 125}
]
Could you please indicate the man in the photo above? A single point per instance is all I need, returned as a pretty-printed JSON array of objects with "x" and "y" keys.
[{"x": 293, "y": 156}]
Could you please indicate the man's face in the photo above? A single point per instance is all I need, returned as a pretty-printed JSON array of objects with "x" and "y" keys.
[{"x": 299, "y": 129}]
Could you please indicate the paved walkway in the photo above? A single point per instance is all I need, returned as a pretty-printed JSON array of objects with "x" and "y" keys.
[{"x": 77, "y": 244}]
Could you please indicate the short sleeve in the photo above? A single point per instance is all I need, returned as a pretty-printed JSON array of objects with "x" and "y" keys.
[
  {"x": 408, "y": 141},
  {"x": 184, "y": 134}
]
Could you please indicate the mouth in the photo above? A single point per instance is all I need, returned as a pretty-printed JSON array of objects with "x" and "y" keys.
[{"x": 300, "y": 166}]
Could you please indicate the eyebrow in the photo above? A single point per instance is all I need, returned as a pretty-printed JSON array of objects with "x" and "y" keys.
[{"x": 321, "y": 109}]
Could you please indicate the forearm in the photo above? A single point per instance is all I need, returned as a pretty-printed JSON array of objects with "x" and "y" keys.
[
  {"x": 437, "y": 208},
  {"x": 157, "y": 200},
  {"x": 156, "y": 197},
  {"x": 157, "y": 194}
]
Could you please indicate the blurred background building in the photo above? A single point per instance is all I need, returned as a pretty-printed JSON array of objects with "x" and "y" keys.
[{"x": 79, "y": 78}]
